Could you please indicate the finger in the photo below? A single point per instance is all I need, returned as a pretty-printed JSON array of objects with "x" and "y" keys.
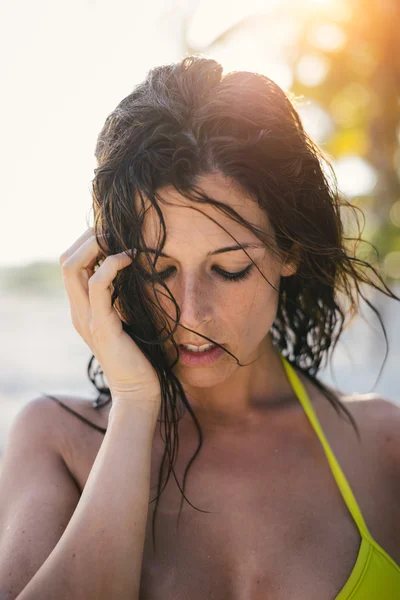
[
  {"x": 76, "y": 277},
  {"x": 99, "y": 287},
  {"x": 78, "y": 243},
  {"x": 81, "y": 239}
]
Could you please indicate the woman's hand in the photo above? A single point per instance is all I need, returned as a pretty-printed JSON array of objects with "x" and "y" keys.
[{"x": 129, "y": 373}]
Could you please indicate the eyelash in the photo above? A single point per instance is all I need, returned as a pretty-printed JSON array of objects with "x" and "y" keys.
[{"x": 225, "y": 275}]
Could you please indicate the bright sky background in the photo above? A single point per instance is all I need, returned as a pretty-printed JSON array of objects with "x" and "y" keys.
[{"x": 64, "y": 68}]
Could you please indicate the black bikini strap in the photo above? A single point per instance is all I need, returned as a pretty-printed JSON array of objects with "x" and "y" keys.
[{"x": 76, "y": 414}]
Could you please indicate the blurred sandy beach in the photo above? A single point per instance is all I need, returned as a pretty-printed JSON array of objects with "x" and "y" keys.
[{"x": 41, "y": 352}]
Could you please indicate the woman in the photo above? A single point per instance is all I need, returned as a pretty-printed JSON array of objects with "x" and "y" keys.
[{"x": 274, "y": 493}]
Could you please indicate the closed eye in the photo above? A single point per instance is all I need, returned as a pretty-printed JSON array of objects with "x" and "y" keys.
[{"x": 225, "y": 275}]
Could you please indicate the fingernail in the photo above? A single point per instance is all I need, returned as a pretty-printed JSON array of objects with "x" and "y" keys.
[{"x": 128, "y": 253}]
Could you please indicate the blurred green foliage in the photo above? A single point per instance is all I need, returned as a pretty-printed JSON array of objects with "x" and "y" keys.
[
  {"x": 34, "y": 277},
  {"x": 358, "y": 44}
]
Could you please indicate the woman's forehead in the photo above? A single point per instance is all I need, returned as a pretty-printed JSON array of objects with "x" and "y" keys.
[{"x": 185, "y": 218}]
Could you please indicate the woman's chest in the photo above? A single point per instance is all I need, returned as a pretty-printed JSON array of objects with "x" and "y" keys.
[
  {"x": 276, "y": 527},
  {"x": 281, "y": 532}
]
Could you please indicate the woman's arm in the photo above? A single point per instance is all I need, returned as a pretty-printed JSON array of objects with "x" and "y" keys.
[
  {"x": 37, "y": 496},
  {"x": 99, "y": 554}
]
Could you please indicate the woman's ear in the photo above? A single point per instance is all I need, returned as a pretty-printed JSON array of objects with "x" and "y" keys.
[{"x": 291, "y": 262}]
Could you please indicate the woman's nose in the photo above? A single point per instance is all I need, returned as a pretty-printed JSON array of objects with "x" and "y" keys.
[{"x": 194, "y": 300}]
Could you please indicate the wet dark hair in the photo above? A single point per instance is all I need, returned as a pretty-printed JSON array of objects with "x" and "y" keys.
[{"x": 187, "y": 120}]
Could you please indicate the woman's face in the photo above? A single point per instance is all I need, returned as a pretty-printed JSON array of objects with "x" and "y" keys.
[{"x": 237, "y": 314}]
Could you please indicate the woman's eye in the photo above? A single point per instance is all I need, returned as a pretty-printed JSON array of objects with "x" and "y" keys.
[
  {"x": 234, "y": 276},
  {"x": 226, "y": 275}
]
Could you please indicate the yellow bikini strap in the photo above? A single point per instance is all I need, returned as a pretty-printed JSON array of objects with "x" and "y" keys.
[{"x": 340, "y": 478}]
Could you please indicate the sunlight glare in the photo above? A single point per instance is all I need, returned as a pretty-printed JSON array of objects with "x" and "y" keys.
[
  {"x": 356, "y": 177},
  {"x": 312, "y": 69}
]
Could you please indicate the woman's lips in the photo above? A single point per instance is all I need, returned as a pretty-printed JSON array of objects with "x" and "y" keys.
[{"x": 208, "y": 357}]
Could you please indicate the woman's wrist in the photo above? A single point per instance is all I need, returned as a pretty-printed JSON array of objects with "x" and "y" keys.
[{"x": 125, "y": 406}]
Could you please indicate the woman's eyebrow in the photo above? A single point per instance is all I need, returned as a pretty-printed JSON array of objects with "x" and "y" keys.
[{"x": 219, "y": 251}]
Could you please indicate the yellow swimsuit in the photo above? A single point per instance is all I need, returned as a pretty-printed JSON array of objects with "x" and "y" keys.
[{"x": 375, "y": 575}]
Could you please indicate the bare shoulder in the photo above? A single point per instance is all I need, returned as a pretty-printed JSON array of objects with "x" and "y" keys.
[
  {"x": 378, "y": 410},
  {"x": 71, "y": 426},
  {"x": 380, "y": 417},
  {"x": 75, "y": 407},
  {"x": 377, "y": 419},
  {"x": 55, "y": 420}
]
